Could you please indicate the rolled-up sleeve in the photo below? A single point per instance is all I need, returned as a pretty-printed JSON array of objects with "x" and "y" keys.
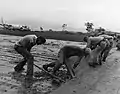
[{"x": 33, "y": 39}]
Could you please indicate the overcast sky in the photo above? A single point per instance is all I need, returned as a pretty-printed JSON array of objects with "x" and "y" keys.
[{"x": 75, "y": 13}]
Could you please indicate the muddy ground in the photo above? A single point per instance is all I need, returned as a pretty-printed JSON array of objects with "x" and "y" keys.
[
  {"x": 104, "y": 79},
  {"x": 101, "y": 80},
  {"x": 13, "y": 83}
]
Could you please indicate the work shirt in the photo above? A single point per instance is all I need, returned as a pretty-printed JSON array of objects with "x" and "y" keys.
[
  {"x": 27, "y": 41},
  {"x": 94, "y": 41},
  {"x": 110, "y": 39},
  {"x": 106, "y": 36}
]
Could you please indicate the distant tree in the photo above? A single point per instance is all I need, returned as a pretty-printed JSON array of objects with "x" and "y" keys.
[
  {"x": 101, "y": 29},
  {"x": 64, "y": 27},
  {"x": 50, "y": 30},
  {"x": 89, "y": 27},
  {"x": 41, "y": 28}
]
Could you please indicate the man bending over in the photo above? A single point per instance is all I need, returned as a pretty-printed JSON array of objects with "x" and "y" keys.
[
  {"x": 64, "y": 54},
  {"x": 109, "y": 46},
  {"x": 23, "y": 47},
  {"x": 93, "y": 42}
]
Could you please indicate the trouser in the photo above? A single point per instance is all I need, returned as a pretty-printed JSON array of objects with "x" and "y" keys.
[
  {"x": 97, "y": 54},
  {"x": 106, "y": 51},
  {"x": 27, "y": 58}
]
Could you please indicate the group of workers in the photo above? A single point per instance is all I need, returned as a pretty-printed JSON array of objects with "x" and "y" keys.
[{"x": 24, "y": 45}]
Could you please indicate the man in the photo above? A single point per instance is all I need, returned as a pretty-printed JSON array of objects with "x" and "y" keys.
[
  {"x": 93, "y": 42},
  {"x": 23, "y": 47},
  {"x": 109, "y": 46},
  {"x": 90, "y": 59},
  {"x": 95, "y": 56},
  {"x": 64, "y": 54}
]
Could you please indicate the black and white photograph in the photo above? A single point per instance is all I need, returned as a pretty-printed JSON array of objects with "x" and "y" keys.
[{"x": 59, "y": 47}]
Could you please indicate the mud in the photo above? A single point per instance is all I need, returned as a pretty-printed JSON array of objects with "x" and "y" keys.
[
  {"x": 104, "y": 79},
  {"x": 101, "y": 80},
  {"x": 14, "y": 83}
]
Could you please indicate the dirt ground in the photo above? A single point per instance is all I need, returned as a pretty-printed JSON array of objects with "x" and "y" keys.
[
  {"x": 102, "y": 80},
  {"x": 13, "y": 83}
]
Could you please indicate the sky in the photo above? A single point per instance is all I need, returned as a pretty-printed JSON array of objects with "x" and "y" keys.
[{"x": 53, "y": 13}]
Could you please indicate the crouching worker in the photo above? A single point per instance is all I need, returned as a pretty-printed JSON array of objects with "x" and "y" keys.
[
  {"x": 64, "y": 54},
  {"x": 23, "y": 47},
  {"x": 93, "y": 42},
  {"x": 105, "y": 52}
]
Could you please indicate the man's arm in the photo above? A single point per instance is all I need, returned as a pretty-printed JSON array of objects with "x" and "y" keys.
[{"x": 88, "y": 43}]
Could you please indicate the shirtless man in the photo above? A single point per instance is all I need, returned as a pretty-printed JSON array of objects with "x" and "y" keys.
[
  {"x": 23, "y": 47},
  {"x": 64, "y": 54}
]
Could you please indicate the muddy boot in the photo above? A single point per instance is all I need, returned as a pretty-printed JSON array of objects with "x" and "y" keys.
[
  {"x": 45, "y": 67},
  {"x": 28, "y": 81},
  {"x": 92, "y": 65},
  {"x": 100, "y": 62},
  {"x": 56, "y": 67},
  {"x": 20, "y": 70},
  {"x": 48, "y": 65},
  {"x": 20, "y": 66},
  {"x": 104, "y": 60},
  {"x": 105, "y": 56}
]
